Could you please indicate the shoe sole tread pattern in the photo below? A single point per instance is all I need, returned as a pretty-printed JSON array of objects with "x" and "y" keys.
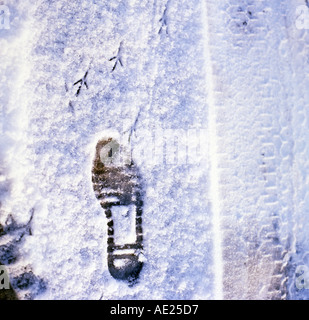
[{"x": 120, "y": 183}]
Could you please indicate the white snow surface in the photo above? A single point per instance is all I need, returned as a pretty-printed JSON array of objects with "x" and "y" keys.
[{"x": 213, "y": 97}]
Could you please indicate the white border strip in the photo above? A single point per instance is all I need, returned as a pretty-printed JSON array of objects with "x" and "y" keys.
[{"x": 213, "y": 156}]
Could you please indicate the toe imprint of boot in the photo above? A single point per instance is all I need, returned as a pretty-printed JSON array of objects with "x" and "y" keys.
[{"x": 119, "y": 186}]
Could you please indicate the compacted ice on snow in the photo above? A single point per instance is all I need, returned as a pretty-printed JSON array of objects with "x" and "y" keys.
[{"x": 211, "y": 98}]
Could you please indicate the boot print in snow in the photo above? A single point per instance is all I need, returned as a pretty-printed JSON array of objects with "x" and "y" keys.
[{"x": 117, "y": 186}]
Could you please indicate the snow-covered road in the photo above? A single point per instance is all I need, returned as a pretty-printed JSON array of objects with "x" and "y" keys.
[{"x": 212, "y": 98}]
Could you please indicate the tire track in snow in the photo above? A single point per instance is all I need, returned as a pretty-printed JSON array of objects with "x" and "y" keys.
[{"x": 254, "y": 160}]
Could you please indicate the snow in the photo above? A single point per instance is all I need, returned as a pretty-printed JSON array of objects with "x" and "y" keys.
[
  {"x": 124, "y": 224},
  {"x": 208, "y": 98},
  {"x": 214, "y": 173}
]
